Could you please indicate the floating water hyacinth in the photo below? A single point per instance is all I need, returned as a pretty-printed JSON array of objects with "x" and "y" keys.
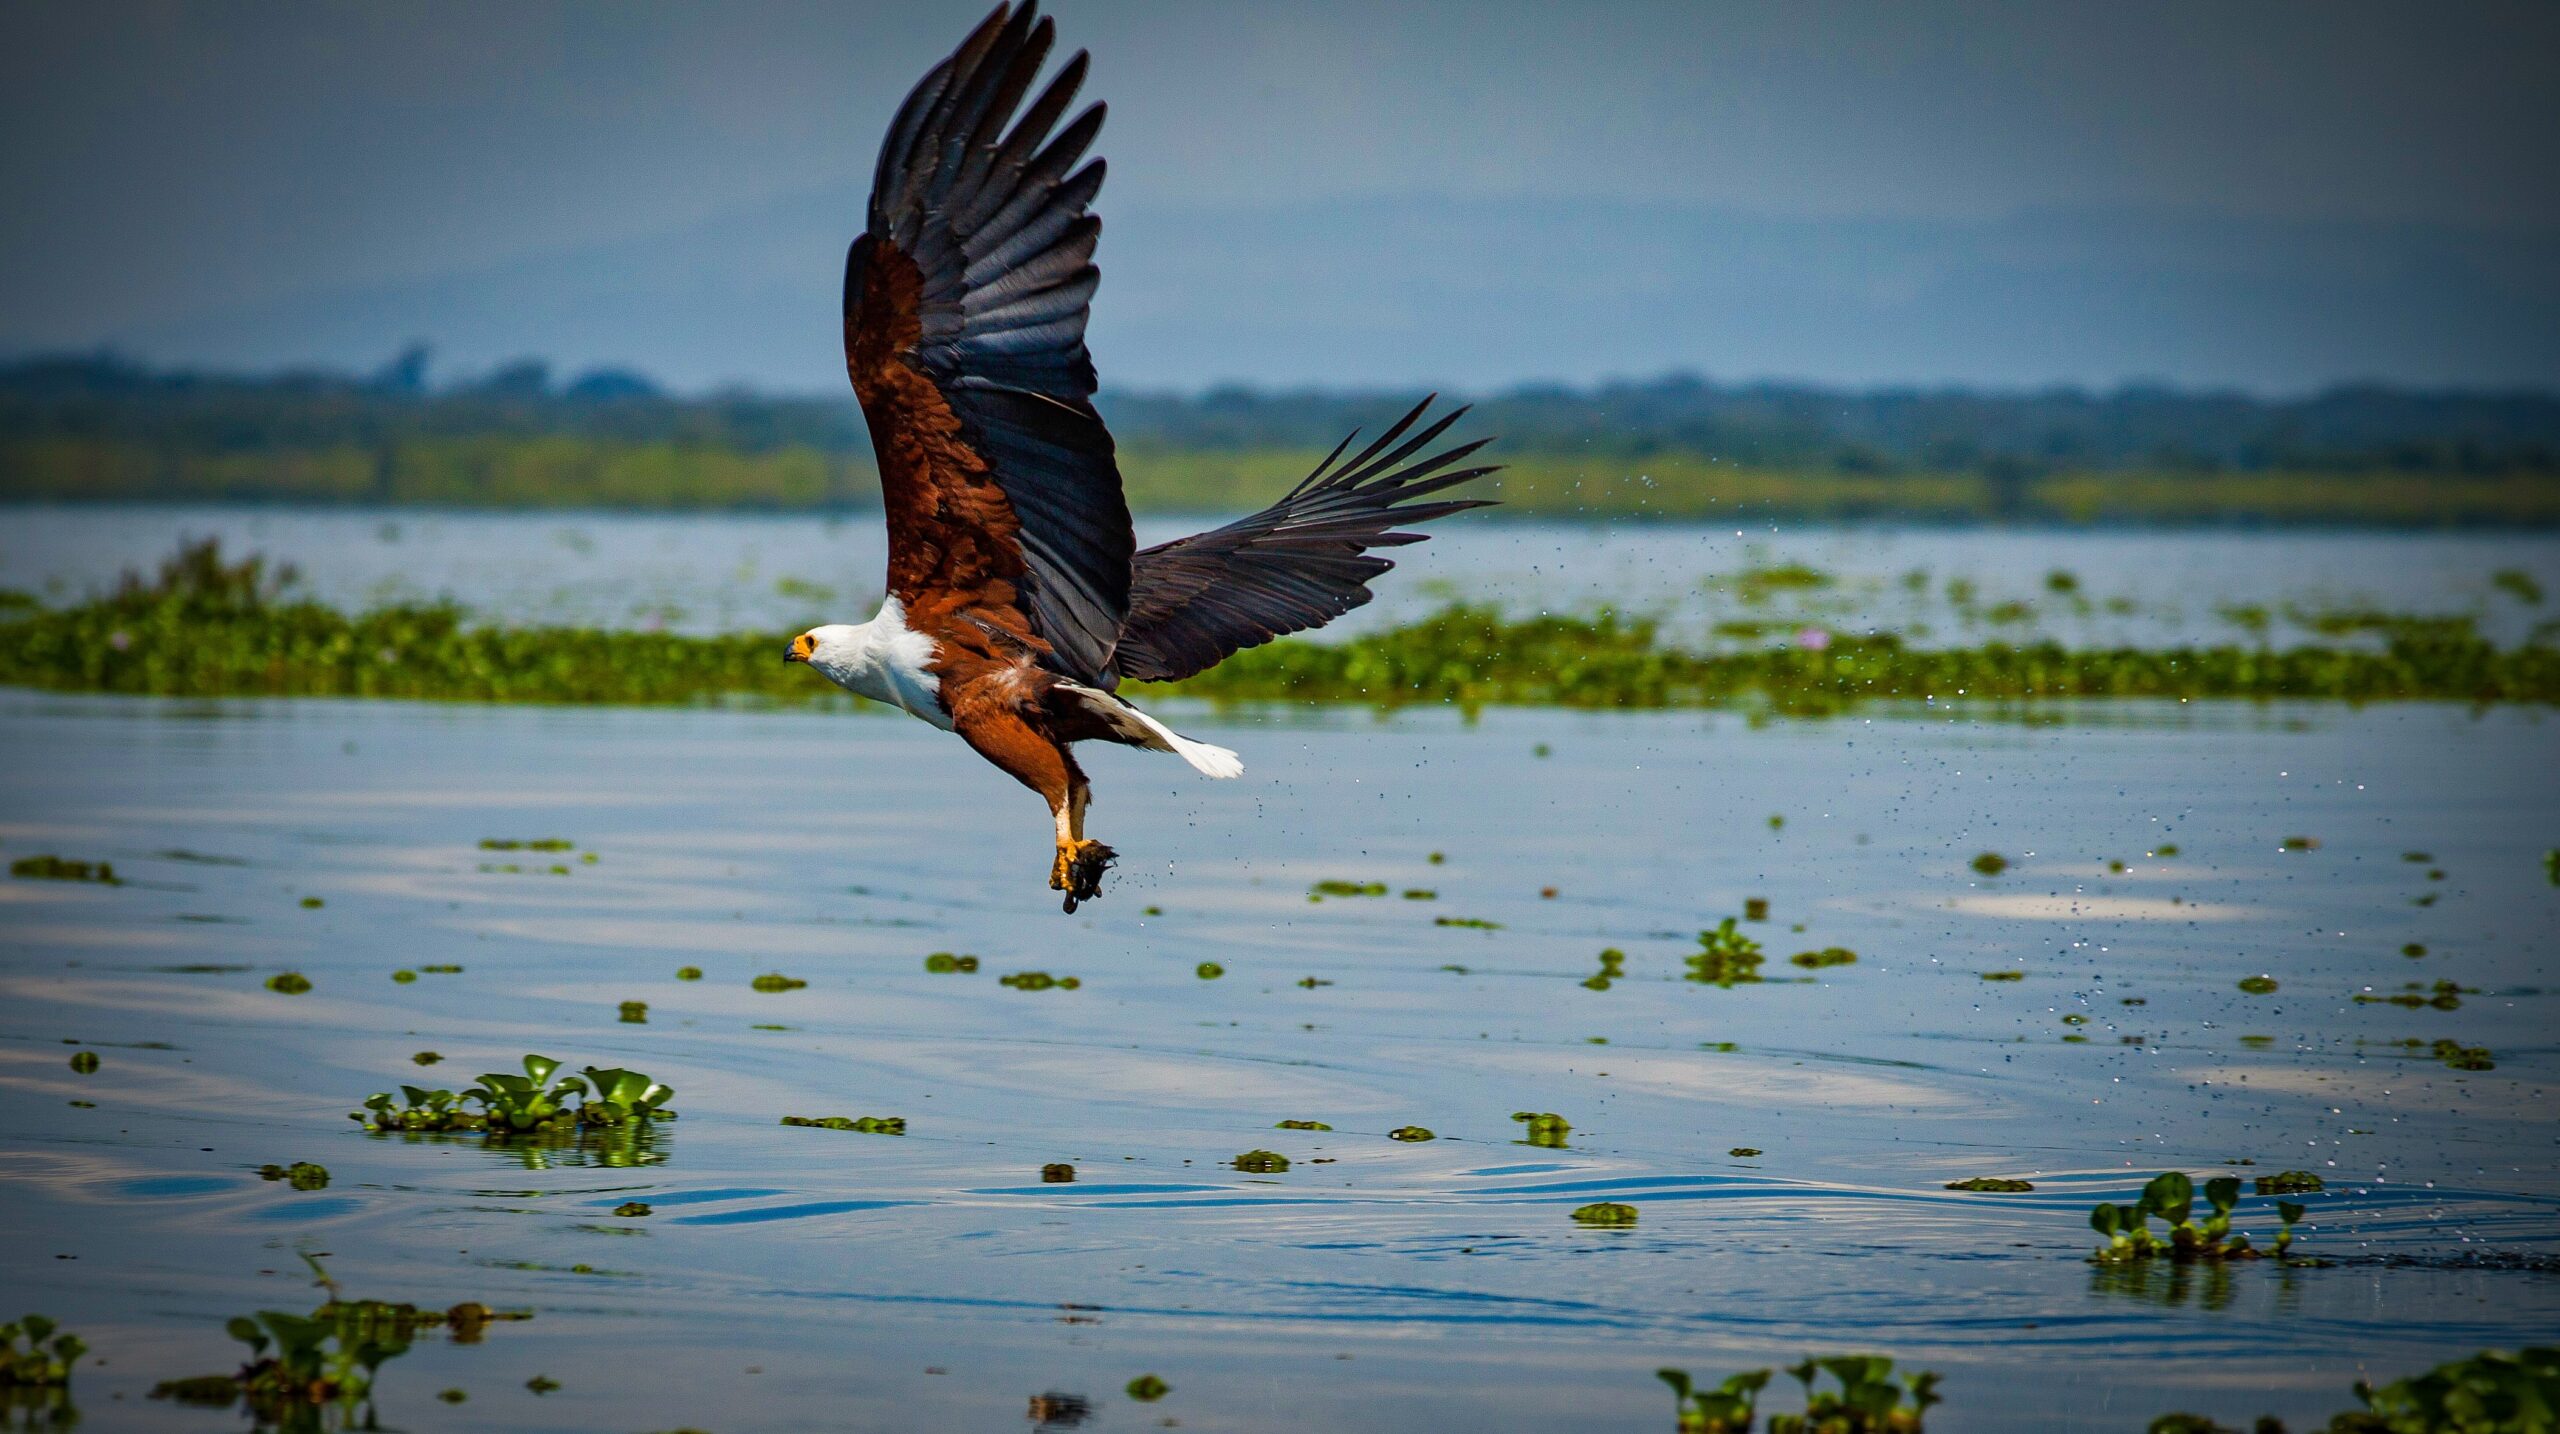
[
  {"x": 1261, "y": 1162},
  {"x": 2171, "y": 1197},
  {"x": 43, "y": 1360},
  {"x": 867, "y": 1125},
  {"x": 502, "y": 1103}
]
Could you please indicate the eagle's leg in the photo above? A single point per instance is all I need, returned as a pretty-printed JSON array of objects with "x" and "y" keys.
[{"x": 1083, "y": 862}]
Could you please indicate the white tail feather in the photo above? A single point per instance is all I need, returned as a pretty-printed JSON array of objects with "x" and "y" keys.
[{"x": 1145, "y": 731}]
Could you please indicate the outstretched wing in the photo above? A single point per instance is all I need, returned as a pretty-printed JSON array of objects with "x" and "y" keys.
[
  {"x": 1300, "y": 563},
  {"x": 964, "y": 316}
]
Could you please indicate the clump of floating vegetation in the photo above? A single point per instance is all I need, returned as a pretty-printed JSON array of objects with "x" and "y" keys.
[
  {"x": 2492, "y": 1392},
  {"x": 1755, "y": 908},
  {"x": 1613, "y": 967},
  {"x": 1057, "y": 1173},
  {"x": 199, "y": 630},
  {"x": 634, "y": 1209},
  {"x": 944, "y": 963},
  {"x": 1827, "y": 956},
  {"x": 1420, "y": 893},
  {"x": 2442, "y": 996},
  {"x": 2171, "y": 1196},
  {"x": 1470, "y": 923},
  {"x": 1605, "y": 1213},
  {"x": 1991, "y": 1185},
  {"x": 536, "y": 844},
  {"x": 636, "y": 1012},
  {"x": 2301, "y": 843},
  {"x": 1332, "y": 887},
  {"x": 54, "y": 868},
  {"x": 503, "y": 1104},
  {"x": 302, "y": 1367},
  {"x": 1990, "y": 863},
  {"x": 1208, "y": 970},
  {"x": 44, "y": 1360},
  {"x": 1743, "y": 1152},
  {"x": 289, "y": 983},
  {"x": 2004, "y": 975},
  {"x": 312, "y": 903},
  {"x": 867, "y": 1124},
  {"x": 1410, "y": 1134},
  {"x": 1147, "y": 1389},
  {"x": 1261, "y": 1162},
  {"x": 1869, "y": 1400},
  {"x": 1545, "y": 1128},
  {"x": 2258, "y": 985},
  {"x": 2464, "y": 1058},
  {"x": 773, "y": 981},
  {"x": 2290, "y": 1182},
  {"x": 301, "y": 1175},
  {"x": 1039, "y": 981},
  {"x": 426, "y": 1058},
  {"x": 1725, "y": 956},
  {"x": 1300, "y": 1125},
  {"x": 688, "y": 973},
  {"x": 403, "y": 976},
  {"x": 84, "y": 1063}
]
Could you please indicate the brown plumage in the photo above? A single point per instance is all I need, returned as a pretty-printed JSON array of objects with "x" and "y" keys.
[{"x": 1017, "y": 598}]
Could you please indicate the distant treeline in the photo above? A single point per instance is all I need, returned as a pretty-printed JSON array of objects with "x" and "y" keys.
[{"x": 101, "y": 428}]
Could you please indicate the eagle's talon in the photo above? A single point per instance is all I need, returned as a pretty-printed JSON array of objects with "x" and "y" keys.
[{"x": 1083, "y": 865}]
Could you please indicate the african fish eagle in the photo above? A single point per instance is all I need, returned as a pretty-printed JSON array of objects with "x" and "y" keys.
[{"x": 1017, "y": 600}]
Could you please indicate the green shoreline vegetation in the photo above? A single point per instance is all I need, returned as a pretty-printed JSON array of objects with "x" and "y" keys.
[
  {"x": 205, "y": 627},
  {"x": 97, "y": 428}
]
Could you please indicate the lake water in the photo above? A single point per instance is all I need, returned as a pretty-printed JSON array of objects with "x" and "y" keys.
[
  {"x": 730, "y": 572},
  {"x": 792, "y": 1279}
]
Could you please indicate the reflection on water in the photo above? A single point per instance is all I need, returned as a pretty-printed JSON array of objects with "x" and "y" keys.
[{"x": 1786, "y": 1140}]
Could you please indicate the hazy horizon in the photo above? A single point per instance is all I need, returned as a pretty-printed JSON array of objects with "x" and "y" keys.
[{"x": 2276, "y": 200}]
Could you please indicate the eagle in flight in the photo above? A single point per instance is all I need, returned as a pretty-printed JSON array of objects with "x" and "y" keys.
[{"x": 1017, "y": 597}]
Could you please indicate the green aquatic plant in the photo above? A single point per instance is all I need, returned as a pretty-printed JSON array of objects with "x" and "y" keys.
[
  {"x": 44, "y": 1360},
  {"x": 1311, "y": 982},
  {"x": 1208, "y": 970},
  {"x": 2258, "y": 985},
  {"x": 2442, "y": 995},
  {"x": 1335, "y": 887},
  {"x": 1725, "y": 957},
  {"x": 2518, "y": 584},
  {"x": 54, "y": 868},
  {"x": 289, "y": 983},
  {"x": 1605, "y": 1214},
  {"x": 509, "y": 1104},
  {"x": 2465, "y": 1058},
  {"x": 944, "y": 963},
  {"x": 1990, "y": 863},
  {"x": 634, "y": 1210},
  {"x": 441, "y": 970},
  {"x": 524, "y": 1102},
  {"x": 2165, "y": 850},
  {"x": 1038, "y": 981},
  {"x": 1755, "y": 908},
  {"x": 1870, "y": 1399},
  {"x": 1991, "y": 1185},
  {"x": 2491, "y": 1392},
  {"x": 403, "y": 977},
  {"x": 866, "y": 1125},
  {"x": 1300, "y": 1125},
  {"x": 1147, "y": 1389},
  {"x": 301, "y": 1175},
  {"x": 688, "y": 973},
  {"x": 1827, "y": 956},
  {"x": 2413, "y": 949},
  {"x": 2290, "y": 1182},
  {"x": 775, "y": 981},
  {"x": 84, "y": 1063},
  {"x": 1057, "y": 1173},
  {"x": 2004, "y": 975},
  {"x": 1420, "y": 893},
  {"x": 2301, "y": 843},
  {"x": 1470, "y": 923},
  {"x": 1545, "y": 1128},
  {"x": 1411, "y": 1134},
  {"x": 1743, "y": 1152},
  {"x": 1261, "y": 1162},
  {"x": 537, "y": 844},
  {"x": 635, "y": 1013},
  {"x": 1613, "y": 967},
  {"x": 2171, "y": 1197},
  {"x": 426, "y": 1058},
  {"x": 2551, "y": 865},
  {"x": 303, "y": 1367},
  {"x": 1729, "y": 1408}
]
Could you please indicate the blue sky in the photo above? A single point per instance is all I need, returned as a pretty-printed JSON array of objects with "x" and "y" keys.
[{"x": 2273, "y": 196}]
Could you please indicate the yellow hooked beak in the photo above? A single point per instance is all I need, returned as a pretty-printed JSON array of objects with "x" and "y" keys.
[{"x": 800, "y": 649}]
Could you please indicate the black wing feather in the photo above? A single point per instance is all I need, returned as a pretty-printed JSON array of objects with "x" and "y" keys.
[
  {"x": 1300, "y": 563},
  {"x": 996, "y": 221}
]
